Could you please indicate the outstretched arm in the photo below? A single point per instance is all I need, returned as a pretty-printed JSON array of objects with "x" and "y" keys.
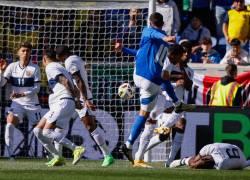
[{"x": 120, "y": 48}]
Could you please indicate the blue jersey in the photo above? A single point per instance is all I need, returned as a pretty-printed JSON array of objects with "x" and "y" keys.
[{"x": 151, "y": 55}]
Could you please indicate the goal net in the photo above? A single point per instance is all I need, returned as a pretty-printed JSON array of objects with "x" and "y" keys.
[{"x": 90, "y": 30}]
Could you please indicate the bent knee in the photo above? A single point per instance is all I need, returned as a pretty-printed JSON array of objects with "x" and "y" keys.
[{"x": 89, "y": 122}]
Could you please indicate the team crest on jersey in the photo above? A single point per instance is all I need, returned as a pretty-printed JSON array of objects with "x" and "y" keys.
[{"x": 29, "y": 73}]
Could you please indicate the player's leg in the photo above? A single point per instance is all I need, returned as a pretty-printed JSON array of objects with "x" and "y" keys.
[
  {"x": 177, "y": 141},
  {"x": 166, "y": 121},
  {"x": 14, "y": 117},
  {"x": 90, "y": 124},
  {"x": 148, "y": 97}
]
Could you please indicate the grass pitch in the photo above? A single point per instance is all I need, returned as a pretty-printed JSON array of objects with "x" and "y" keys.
[{"x": 27, "y": 169}]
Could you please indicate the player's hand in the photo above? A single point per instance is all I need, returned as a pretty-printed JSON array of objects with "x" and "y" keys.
[
  {"x": 15, "y": 95},
  {"x": 118, "y": 47},
  {"x": 78, "y": 104},
  {"x": 180, "y": 82},
  {"x": 170, "y": 39},
  {"x": 3, "y": 64},
  {"x": 90, "y": 105}
]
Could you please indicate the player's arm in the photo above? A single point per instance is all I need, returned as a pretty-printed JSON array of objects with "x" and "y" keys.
[
  {"x": 66, "y": 83},
  {"x": 3, "y": 66},
  {"x": 160, "y": 36},
  {"x": 120, "y": 48},
  {"x": 83, "y": 89}
]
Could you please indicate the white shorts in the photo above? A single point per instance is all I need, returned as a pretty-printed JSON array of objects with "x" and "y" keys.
[
  {"x": 31, "y": 112},
  {"x": 61, "y": 113},
  {"x": 148, "y": 92}
]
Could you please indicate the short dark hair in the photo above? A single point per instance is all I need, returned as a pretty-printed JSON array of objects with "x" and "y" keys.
[
  {"x": 50, "y": 53},
  {"x": 156, "y": 19},
  {"x": 235, "y": 42},
  {"x": 206, "y": 40},
  {"x": 25, "y": 44},
  {"x": 231, "y": 70},
  {"x": 62, "y": 50},
  {"x": 176, "y": 49}
]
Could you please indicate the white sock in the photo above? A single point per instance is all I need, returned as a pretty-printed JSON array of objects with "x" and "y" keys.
[
  {"x": 59, "y": 147},
  {"x": 144, "y": 141},
  {"x": 154, "y": 141},
  {"x": 185, "y": 161},
  {"x": 50, "y": 135},
  {"x": 65, "y": 141},
  {"x": 175, "y": 146},
  {"x": 45, "y": 141},
  {"x": 9, "y": 133},
  {"x": 100, "y": 142}
]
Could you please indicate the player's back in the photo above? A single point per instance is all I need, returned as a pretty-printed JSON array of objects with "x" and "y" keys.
[
  {"x": 151, "y": 55},
  {"x": 23, "y": 79},
  {"x": 73, "y": 64},
  {"x": 53, "y": 70},
  {"x": 226, "y": 156}
]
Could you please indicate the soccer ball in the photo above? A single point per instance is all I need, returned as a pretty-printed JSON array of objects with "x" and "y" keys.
[{"x": 126, "y": 91}]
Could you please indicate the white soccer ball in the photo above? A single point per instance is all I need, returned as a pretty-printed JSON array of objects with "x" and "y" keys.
[{"x": 126, "y": 91}]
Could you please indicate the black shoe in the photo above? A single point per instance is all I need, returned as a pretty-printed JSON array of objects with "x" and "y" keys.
[
  {"x": 184, "y": 107},
  {"x": 127, "y": 152}
]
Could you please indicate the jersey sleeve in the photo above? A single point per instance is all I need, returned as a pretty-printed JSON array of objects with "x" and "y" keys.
[
  {"x": 37, "y": 80},
  {"x": 71, "y": 67},
  {"x": 167, "y": 65},
  {"x": 157, "y": 35},
  {"x": 8, "y": 72},
  {"x": 52, "y": 72}
]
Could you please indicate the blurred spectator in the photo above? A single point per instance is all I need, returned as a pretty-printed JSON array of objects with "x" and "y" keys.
[
  {"x": 220, "y": 7},
  {"x": 236, "y": 55},
  {"x": 187, "y": 45},
  {"x": 201, "y": 8},
  {"x": 226, "y": 92},
  {"x": 195, "y": 31},
  {"x": 205, "y": 53},
  {"x": 237, "y": 23},
  {"x": 171, "y": 16}
]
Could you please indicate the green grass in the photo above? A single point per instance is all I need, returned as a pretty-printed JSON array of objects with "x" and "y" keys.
[{"x": 26, "y": 169}]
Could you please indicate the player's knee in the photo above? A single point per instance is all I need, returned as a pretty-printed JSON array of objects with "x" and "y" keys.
[
  {"x": 37, "y": 132},
  {"x": 180, "y": 125},
  {"x": 163, "y": 137},
  {"x": 89, "y": 122},
  {"x": 12, "y": 119}
]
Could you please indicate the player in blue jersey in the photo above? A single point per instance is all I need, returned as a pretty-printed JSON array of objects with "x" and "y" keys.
[{"x": 152, "y": 72}]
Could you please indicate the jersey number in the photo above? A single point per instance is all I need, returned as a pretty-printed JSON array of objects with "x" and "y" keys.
[
  {"x": 233, "y": 153},
  {"x": 161, "y": 55}
]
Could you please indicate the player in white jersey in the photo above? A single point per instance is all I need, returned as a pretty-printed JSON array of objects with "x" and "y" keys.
[
  {"x": 181, "y": 78},
  {"x": 221, "y": 156},
  {"x": 24, "y": 78},
  {"x": 54, "y": 124},
  {"x": 76, "y": 66}
]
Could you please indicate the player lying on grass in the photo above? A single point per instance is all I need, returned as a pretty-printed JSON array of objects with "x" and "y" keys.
[{"x": 217, "y": 155}]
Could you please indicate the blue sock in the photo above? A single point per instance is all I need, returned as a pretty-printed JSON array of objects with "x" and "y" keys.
[
  {"x": 167, "y": 86},
  {"x": 136, "y": 128}
]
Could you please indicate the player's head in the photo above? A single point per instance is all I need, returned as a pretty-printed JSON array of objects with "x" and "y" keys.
[
  {"x": 24, "y": 51},
  {"x": 49, "y": 55},
  {"x": 202, "y": 162},
  {"x": 187, "y": 45},
  {"x": 231, "y": 70},
  {"x": 156, "y": 20},
  {"x": 62, "y": 52},
  {"x": 177, "y": 54}
]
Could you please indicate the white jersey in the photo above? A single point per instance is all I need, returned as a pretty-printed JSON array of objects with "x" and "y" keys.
[
  {"x": 226, "y": 156},
  {"x": 53, "y": 70},
  {"x": 24, "y": 80},
  {"x": 73, "y": 64}
]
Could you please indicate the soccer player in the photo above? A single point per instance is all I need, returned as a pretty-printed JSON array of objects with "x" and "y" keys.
[
  {"x": 62, "y": 102},
  {"x": 221, "y": 156},
  {"x": 181, "y": 79},
  {"x": 76, "y": 67},
  {"x": 24, "y": 78},
  {"x": 151, "y": 72}
]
